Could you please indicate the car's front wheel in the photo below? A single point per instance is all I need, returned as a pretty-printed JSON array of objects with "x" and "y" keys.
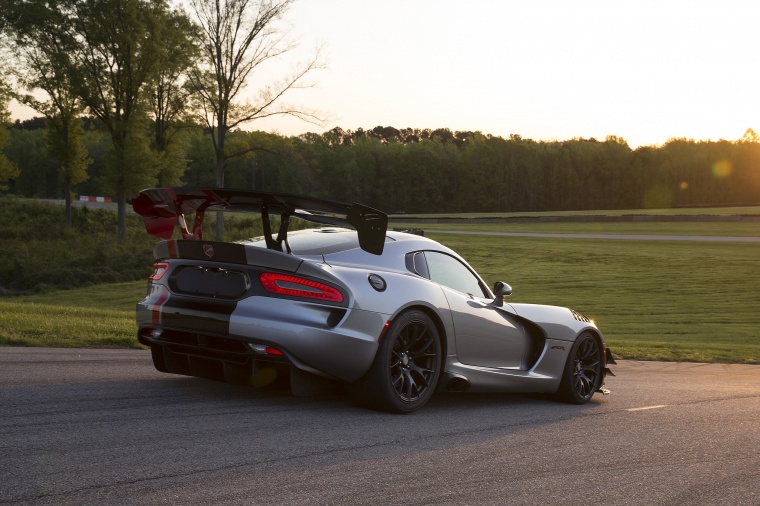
[
  {"x": 407, "y": 366},
  {"x": 583, "y": 371}
]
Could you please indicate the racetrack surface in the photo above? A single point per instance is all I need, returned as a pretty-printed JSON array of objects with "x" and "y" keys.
[{"x": 103, "y": 427}]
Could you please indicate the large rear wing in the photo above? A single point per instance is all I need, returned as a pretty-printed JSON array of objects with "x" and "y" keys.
[{"x": 164, "y": 208}]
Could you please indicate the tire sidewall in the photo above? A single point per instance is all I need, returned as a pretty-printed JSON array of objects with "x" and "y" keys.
[
  {"x": 379, "y": 374},
  {"x": 567, "y": 391}
]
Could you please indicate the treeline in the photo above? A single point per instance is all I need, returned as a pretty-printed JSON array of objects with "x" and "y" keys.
[
  {"x": 139, "y": 93},
  {"x": 146, "y": 71},
  {"x": 434, "y": 171}
]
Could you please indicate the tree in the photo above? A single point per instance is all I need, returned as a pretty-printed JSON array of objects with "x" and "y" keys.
[
  {"x": 7, "y": 169},
  {"x": 39, "y": 173},
  {"x": 108, "y": 50},
  {"x": 748, "y": 167},
  {"x": 113, "y": 54},
  {"x": 39, "y": 38},
  {"x": 238, "y": 37},
  {"x": 614, "y": 163},
  {"x": 750, "y": 136},
  {"x": 169, "y": 95}
]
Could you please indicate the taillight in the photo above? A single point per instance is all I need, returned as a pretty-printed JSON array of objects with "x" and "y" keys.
[
  {"x": 159, "y": 269},
  {"x": 263, "y": 349},
  {"x": 284, "y": 284}
]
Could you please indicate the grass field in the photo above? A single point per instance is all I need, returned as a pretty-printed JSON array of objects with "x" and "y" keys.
[
  {"x": 724, "y": 228},
  {"x": 739, "y": 229},
  {"x": 680, "y": 211},
  {"x": 653, "y": 300},
  {"x": 96, "y": 316}
]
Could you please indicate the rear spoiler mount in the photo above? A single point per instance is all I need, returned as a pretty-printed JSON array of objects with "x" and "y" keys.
[{"x": 164, "y": 208}]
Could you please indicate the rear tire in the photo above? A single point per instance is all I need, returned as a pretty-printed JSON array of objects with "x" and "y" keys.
[
  {"x": 406, "y": 369},
  {"x": 583, "y": 373}
]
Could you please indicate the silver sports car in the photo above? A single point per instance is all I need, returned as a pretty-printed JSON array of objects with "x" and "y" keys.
[{"x": 393, "y": 315}]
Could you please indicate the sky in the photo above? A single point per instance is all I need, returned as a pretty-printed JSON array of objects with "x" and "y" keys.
[{"x": 642, "y": 70}]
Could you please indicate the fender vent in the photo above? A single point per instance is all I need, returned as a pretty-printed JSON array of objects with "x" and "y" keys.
[{"x": 580, "y": 317}]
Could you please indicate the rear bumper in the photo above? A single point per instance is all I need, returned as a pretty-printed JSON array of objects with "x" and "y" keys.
[{"x": 334, "y": 342}]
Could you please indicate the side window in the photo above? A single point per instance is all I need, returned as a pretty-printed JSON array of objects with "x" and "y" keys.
[
  {"x": 450, "y": 272},
  {"x": 415, "y": 262}
]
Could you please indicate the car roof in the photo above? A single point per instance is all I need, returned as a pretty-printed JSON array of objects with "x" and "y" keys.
[
  {"x": 327, "y": 240},
  {"x": 340, "y": 246}
]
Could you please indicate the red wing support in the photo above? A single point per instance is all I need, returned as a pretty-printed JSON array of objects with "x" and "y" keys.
[
  {"x": 160, "y": 216},
  {"x": 197, "y": 233}
]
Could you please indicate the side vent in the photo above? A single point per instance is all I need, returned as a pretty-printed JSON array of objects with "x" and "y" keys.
[{"x": 580, "y": 317}]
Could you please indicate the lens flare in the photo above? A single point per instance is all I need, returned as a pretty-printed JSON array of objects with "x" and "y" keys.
[{"x": 722, "y": 169}]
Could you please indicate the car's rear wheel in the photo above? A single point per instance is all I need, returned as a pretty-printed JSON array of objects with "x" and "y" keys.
[
  {"x": 407, "y": 366},
  {"x": 582, "y": 376}
]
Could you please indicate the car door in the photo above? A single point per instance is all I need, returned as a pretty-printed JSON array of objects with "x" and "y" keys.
[{"x": 485, "y": 335}]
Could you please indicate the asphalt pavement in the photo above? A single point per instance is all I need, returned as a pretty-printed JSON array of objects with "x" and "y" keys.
[{"x": 103, "y": 427}]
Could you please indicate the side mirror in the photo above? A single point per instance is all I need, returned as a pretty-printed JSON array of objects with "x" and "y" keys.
[{"x": 501, "y": 290}]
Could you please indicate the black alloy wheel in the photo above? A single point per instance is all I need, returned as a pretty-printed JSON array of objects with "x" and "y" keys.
[
  {"x": 583, "y": 372},
  {"x": 413, "y": 364},
  {"x": 407, "y": 366}
]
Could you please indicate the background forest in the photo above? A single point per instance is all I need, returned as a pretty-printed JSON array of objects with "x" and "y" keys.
[
  {"x": 431, "y": 171},
  {"x": 141, "y": 93}
]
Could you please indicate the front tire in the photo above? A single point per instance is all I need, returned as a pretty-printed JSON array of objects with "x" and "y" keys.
[
  {"x": 582, "y": 376},
  {"x": 407, "y": 366}
]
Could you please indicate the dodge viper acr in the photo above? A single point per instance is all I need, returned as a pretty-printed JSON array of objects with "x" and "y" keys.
[{"x": 392, "y": 314}]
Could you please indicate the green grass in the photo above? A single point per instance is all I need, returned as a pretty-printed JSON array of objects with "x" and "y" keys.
[
  {"x": 739, "y": 229},
  {"x": 100, "y": 316},
  {"x": 653, "y": 300},
  {"x": 680, "y": 211}
]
